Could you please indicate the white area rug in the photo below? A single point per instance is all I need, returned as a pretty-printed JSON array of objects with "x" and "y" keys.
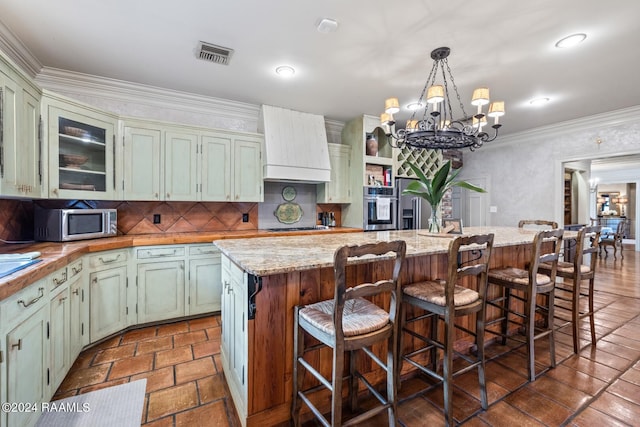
[{"x": 120, "y": 406}]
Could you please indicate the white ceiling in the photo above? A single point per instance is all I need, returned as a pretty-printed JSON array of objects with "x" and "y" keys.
[{"x": 380, "y": 49}]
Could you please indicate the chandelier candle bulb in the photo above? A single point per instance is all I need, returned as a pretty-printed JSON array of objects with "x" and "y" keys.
[
  {"x": 496, "y": 109},
  {"x": 391, "y": 106}
]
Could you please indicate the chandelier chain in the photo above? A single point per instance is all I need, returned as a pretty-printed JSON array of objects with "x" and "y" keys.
[{"x": 455, "y": 88}]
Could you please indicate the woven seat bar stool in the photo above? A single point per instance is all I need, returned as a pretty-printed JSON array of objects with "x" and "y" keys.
[
  {"x": 582, "y": 268},
  {"x": 349, "y": 322},
  {"x": 530, "y": 283},
  {"x": 444, "y": 301}
]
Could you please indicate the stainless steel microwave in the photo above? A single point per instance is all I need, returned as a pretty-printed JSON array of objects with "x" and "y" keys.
[{"x": 63, "y": 225}]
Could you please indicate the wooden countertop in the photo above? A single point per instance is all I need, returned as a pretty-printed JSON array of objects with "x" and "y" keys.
[
  {"x": 57, "y": 255},
  {"x": 265, "y": 256}
]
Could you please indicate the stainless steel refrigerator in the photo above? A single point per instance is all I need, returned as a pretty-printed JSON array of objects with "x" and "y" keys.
[{"x": 413, "y": 211}]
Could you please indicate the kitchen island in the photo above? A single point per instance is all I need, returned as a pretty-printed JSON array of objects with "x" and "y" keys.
[{"x": 265, "y": 278}]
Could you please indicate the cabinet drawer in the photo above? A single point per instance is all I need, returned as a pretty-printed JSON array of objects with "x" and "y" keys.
[
  {"x": 104, "y": 259},
  {"x": 23, "y": 303},
  {"x": 232, "y": 269},
  {"x": 203, "y": 250},
  {"x": 160, "y": 252},
  {"x": 74, "y": 268},
  {"x": 58, "y": 278}
]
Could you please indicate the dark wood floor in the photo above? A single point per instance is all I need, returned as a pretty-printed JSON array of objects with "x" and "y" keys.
[{"x": 600, "y": 386}]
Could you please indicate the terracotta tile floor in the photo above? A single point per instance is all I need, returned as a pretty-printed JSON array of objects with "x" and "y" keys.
[
  {"x": 597, "y": 387},
  {"x": 181, "y": 362}
]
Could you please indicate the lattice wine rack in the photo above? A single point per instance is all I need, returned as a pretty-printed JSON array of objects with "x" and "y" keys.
[{"x": 427, "y": 160}]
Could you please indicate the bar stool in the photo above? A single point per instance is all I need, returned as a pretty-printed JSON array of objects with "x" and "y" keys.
[
  {"x": 530, "y": 283},
  {"x": 537, "y": 224},
  {"x": 586, "y": 248},
  {"x": 350, "y": 322},
  {"x": 445, "y": 300}
]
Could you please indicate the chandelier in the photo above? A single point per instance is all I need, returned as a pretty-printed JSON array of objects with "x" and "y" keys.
[{"x": 432, "y": 125}]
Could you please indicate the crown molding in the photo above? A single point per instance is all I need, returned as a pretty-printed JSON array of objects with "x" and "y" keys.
[
  {"x": 89, "y": 86},
  {"x": 13, "y": 48},
  {"x": 593, "y": 123}
]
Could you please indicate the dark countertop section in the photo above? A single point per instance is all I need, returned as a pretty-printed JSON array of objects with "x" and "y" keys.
[{"x": 57, "y": 255}]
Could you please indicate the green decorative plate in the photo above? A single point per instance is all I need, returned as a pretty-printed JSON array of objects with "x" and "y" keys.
[{"x": 288, "y": 213}]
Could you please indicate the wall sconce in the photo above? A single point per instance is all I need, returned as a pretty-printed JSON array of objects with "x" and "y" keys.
[
  {"x": 593, "y": 184},
  {"x": 623, "y": 204}
]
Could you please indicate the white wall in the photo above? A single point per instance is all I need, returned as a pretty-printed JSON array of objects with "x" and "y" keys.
[{"x": 525, "y": 169}]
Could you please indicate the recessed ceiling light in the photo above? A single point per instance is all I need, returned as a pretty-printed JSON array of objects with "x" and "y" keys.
[
  {"x": 285, "y": 71},
  {"x": 414, "y": 106},
  {"x": 327, "y": 25},
  {"x": 572, "y": 40},
  {"x": 539, "y": 101}
]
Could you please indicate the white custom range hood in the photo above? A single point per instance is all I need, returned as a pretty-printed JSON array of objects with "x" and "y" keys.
[{"x": 295, "y": 146}]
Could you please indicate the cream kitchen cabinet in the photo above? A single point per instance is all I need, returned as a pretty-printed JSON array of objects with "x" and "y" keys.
[
  {"x": 21, "y": 150},
  {"x": 338, "y": 190},
  {"x": 24, "y": 320},
  {"x": 160, "y": 281},
  {"x": 60, "y": 328},
  {"x": 108, "y": 302},
  {"x": 78, "y": 308},
  {"x": 159, "y": 162},
  {"x": 232, "y": 167},
  {"x": 142, "y": 160},
  {"x": 82, "y": 150},
  {"x": 205, "y": 285},
  {"x": 181, "y": 163},
  {"x": 235, "y": 335}
]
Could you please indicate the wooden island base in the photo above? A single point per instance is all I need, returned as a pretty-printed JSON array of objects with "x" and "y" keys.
[{"x": 270, "y": 333}]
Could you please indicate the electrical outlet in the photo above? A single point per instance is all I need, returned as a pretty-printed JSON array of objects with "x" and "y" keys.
[
  {"x": 493, "y": 209},
  {"x": 245, "y": 217},
  {"x": 156, "y": 218}
]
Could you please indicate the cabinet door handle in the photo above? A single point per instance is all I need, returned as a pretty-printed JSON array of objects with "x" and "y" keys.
[
  {"x": 61, "y": 300},
  {"x": 77, "y": 270},
  {"x": 156, "y": 196},
  {"x": 75, "y": 292},
  {"x": 168, "y": 195},
  {"x": 109, "y": 260},
  {"x": 33, "y": 301},
  {"x": 19, "y": 345}
]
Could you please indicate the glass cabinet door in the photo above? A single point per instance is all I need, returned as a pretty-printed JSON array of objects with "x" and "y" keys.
[{"x": 81, "y": 156}]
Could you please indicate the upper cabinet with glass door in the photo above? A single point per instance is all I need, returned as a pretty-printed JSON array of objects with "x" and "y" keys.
[{"x": 81, "y": 151}]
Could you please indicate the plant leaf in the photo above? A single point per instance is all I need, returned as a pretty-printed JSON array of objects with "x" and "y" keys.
[{"x": 468, "y": 186}]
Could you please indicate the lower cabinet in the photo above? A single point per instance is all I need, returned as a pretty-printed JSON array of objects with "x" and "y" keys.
[
  {"x": 25, "y": 334},
  {"x": 108, "y": 293},
  {"x": 235, "y": 336},
  {"x": 78, "y": 309},
  {"x": 160, "y": 290},
  {"x": 205, "y": 286},
  {"x": 59, "y": 335}
]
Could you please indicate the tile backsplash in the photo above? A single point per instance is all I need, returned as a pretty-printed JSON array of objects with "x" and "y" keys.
[{"x": 16, "y": 216}]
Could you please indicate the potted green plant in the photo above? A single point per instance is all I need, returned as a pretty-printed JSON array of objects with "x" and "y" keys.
[{"x": 432, "y": 190}]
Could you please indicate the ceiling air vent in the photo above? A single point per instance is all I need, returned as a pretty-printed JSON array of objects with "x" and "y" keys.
[{"x": 212, "y": 53}]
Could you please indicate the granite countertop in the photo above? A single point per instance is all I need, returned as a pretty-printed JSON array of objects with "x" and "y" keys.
[
  {"x": 57, "y": 255},
  {"x": 265, "y": 256}
]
